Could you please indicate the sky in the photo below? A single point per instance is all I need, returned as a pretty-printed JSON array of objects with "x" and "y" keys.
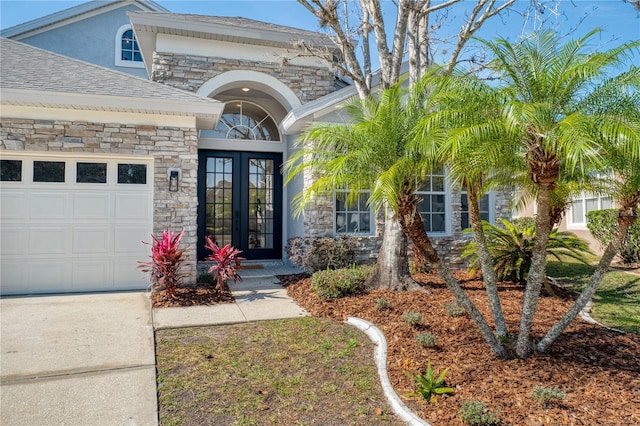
[{"x": 619, "y": 21}]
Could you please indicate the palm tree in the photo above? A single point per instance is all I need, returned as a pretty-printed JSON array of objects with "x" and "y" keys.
[
  {"x": 375, "y": 150},
  {"x": 618, "y": 122},
  {"x": 551, "y": 91},
  {"x": 464, "y": 127}
]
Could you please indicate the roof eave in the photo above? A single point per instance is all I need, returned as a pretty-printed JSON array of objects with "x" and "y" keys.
[{"x": 206, "y": 113}]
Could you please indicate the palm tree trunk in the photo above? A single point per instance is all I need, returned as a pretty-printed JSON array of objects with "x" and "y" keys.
[
  {"x": 537, "y": 273},
  {"x": 626, "y": 218},
  {"x": 486, "y": 263},
  {"x": 392, "y": 268},
  {"x": 413, "y": 227}
]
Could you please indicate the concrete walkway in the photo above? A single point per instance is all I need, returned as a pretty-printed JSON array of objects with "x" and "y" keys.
[{"x": 90, "y": 359}]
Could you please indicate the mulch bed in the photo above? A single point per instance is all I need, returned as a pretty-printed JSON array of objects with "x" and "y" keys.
[
  {"x": 200, "y": 294},
  {"x": 599, "y": 369}
]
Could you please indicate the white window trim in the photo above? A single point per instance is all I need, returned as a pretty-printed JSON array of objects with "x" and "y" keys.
[
  {"x": 118, "y": 46},
  {"x": 372, "y": 222},
  {"x": 583, "y": 199}
]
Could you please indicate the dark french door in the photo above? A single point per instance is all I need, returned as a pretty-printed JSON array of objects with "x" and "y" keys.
[{"x": 240, "y": 202}]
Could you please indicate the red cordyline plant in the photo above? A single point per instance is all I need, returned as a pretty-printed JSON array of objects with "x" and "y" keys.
[
  {"x": 166, "y": 260},
  {"x": 225, "y": 259}
]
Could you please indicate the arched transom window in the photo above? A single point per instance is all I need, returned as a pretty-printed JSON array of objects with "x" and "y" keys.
[{"x": 244, "y": 120}]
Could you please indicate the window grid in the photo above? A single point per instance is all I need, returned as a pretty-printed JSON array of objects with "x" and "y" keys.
[
  {"x": 464, "y": 209},
  {"x": 432, "y": 204},
  {"x": 352, "y": 218},
  {"x": 219, "y": 202},
  {"x": 129, "y": 49}
]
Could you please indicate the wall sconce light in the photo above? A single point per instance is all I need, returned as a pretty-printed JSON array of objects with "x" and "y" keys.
[{"x": 173, "y": 180}]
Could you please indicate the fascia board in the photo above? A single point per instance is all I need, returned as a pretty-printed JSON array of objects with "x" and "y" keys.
[
  {"x": 205, "y": 110},
  {"x": 258, "y": 36},
  {"x": 297, "y": 118}
]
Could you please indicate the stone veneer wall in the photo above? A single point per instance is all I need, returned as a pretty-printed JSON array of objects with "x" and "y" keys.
[
  {"x": 171, "y": 147},
  {"x": 319, "y": 222},
  {"x": 190, "y": 72}
]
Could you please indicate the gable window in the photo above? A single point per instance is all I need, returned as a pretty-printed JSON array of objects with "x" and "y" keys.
[
  {"x": 583, "y": 205},
  {"x": 127, "y": 49},
  {"x": 248, "y": 121},
  {"x": 432, "y": 203},
  {"x": 353, "y": 217},
  {"x": 464, "y": 209}
]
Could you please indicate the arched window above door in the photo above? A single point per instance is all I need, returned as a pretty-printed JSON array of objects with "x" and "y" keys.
[{"x": 246, "y": 121}]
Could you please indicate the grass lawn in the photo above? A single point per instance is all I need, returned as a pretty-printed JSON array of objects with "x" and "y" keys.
[
  {"x": 299, "y": 371},
  {"x": 617, "y": 300}
]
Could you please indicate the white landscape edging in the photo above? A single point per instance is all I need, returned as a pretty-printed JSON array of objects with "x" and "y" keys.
[{"x": 380, "y": 355}]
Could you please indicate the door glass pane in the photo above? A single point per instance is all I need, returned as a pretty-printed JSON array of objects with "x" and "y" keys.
[
  {"x": 219, "y": 200},
  {"x": 135, "y": 174},
  {"x": 261, "y": 203},
  {"x": 91, "y": 172}
]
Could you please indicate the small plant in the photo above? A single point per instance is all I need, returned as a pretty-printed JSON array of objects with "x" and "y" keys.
[
  {"x": 454, "y": 309},
  {"x": 429, "y": 387},
  {"x": 332, "y": 284},
  {"x": 206, "y": 278},
  {"x": 426, "y": 340},
  {"x": 382, "y": 304},
  {"x": 546, "y": 396},
  {"x": 225, "y": 259},
  {"x": 318, "y": 254},
  {"x": 476, "y": 412},
  {"x": 166, "y": 261},
  {"x": 412, "y": 317}
]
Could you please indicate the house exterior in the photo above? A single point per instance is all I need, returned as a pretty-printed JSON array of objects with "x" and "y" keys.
[{"x": 95, "y": 163}]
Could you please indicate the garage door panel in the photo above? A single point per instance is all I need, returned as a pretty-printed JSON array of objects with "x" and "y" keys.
[
  {"x": 12, "y": 276},
  {"x": 48, "y": 241},
  {"x": 132, "y": 206},
  {"x": 92, "y": 274},
  {"x": 94, "y": 240},
  {"x": 128, "y": 239},
  {"x": 126, "y": 271},
  {"x": 13, "y": 241},
  {"x": 92, "y": 206},
  {"x": 49, "y": 276},
  {"x": 14, "y": 204},
  {"x": 49, "y": 205}
]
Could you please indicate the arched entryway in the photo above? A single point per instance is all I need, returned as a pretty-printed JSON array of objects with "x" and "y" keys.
[{"x": 239, "y": 186}]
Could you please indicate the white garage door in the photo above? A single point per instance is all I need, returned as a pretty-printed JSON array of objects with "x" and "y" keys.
[{"x": 74, "y": 224}]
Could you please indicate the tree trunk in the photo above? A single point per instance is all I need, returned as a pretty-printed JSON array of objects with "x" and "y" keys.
[
  {"x": 412, "y": 224},
  {"x": 537, "y": 273},
  {"x": 392, "y": 268},
  {"x": 486, "y": 263},
  {"x": 626, "y": 218}
]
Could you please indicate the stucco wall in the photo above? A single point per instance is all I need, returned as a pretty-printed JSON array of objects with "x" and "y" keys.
[
  {"x": 171, "y": 147},
  {"x": 91, "y": 39}
]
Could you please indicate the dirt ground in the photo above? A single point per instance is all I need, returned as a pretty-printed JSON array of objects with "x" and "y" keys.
[{"x": 598, "y": 369}]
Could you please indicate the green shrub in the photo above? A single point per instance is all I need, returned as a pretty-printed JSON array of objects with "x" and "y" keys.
[
  {"x": 426, "y": 340},
  {"x": 382, "y": 304},
  {"x": 602, "y": 225},
  {"x": 454, "y": 309},
  {"x": 319, "y": 254},
  {"x": 476, "y": 412},
  {"x": 206, "y": 278},
  {"x": 332, "y": 284},
  {"x": 511, "y": 248},
  {"x": 412, "y": 317},
  {"x": 546, "y": 395}
]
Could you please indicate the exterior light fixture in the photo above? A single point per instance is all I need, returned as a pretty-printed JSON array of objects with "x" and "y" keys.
[
  {"x": 173, "y": 180},
  {"x": 245, "y": 89}
]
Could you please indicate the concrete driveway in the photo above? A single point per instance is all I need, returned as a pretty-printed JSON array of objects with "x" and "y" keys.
[{"x": 77, "y": 360}]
